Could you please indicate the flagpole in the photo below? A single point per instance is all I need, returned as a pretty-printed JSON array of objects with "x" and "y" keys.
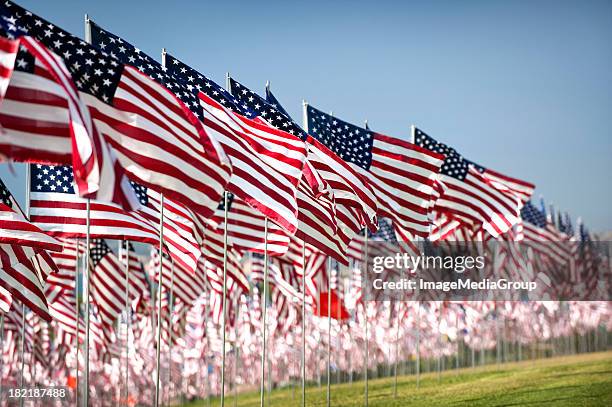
[
  {"x": 128, "y": 312},
  {"x": 303, "y": 324},
  {"x": 23, "y": 307},
  {"x": 305, "y": 126},
  {"x": 159, "y": 297},
  {"x": 396, "y": 348},
  {"x": 78, "y": 319},
  {"x": 329, "y": 275},
  {"x": 1, "y": 351},
  {"x": 418, "y": 332},
  {"x": 264, "y": 301},
  {"x": 365, "y": 309},
  {"x": 170, "y": 331},
  {"x": 206, "y": 310},
  {"x": 224, "y": 300},
  {"x": 86, "y": 271},
  {"x": 87, "y": 305},
  {"x": 236, "y": 348}
]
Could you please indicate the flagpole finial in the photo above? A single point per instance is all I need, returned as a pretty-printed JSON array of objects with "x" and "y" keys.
[
  {"x": 267, "y": 85},
  {"x": 227, "y": 82},
  {"x": 87, "y": 28},
  {"x": 163, "y": 58}
]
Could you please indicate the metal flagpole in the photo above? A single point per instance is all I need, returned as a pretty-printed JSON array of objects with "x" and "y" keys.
[
  {"x": 365, "y": 306},
  {"x": 78, "y": 319},
  {"x": 305, "y": 126},
  {"x": 303, "y": 324},
  {"x": 399, "y": 304},
  {"x": 439, "y": 342},
  {"x": 329, "y": 275},
  {"x": 159, "y": 296},
  {"x": 86, "y": 296},
  {"x": 23, "y": 307},
  {"x": 224, "y": 300},
  {"x": 264, "y": 305},
  {"x": 418, "y": 342},
  {"x": 206, "y": 310},
  {"x": 86, "y": 271},
  {"x": 1, "y": 351},
  {"x": 128, "y": 312},
  {"x": 418, "y": 292},
  {"x": 236, "y": 349},
  {"x": 365, "y": 311},
  {"x": 170, "y": 330},
  {"x": 87, "y": 303}
]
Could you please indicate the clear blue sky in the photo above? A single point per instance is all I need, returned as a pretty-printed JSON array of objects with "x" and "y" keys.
[{"x": 524, "y": 87}]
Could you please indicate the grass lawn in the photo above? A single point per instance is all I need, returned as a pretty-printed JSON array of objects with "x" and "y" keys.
[{"x": 583, "y": 380}]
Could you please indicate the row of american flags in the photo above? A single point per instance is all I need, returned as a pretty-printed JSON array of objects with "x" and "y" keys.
[{"x": 113, "y": 138}]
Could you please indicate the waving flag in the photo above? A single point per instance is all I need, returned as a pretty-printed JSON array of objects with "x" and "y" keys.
[
  {"x": 542, "y": 236},
  {"x": 107, "y": 285},
  {"x": 16, "y": 229},
  {"x": 178, "y": 224},
  {"x": 22, "y": 276},
  {"x": 267, "y": 162},
  {"x": 401, "y": 174},
  {"x": 334, "y": 202},
  {"x": 520, "y": 188},
  {"x": 56, "y": 209},
  {"x": 43, "y": 116},
  {"x": 268, "y": 188},
  {"x": 154, "y": 137},
  {"x": 316, "y": 209},
  {"x": 468, "y": 194},
  {"x": 187, "y": 286},
  {"x": 246, "y": 226},
  {"x": 67, "y": 262}
]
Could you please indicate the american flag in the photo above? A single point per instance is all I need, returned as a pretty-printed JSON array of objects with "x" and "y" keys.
[
  {"x": 107, "y": 285},
  {"x": 43, "y": 114},
  {"x": 139, "y": 285},
  {"x": 64, "y": 313},
  {"x": 401, "y": 174},
  {"x": 327, "y": 220},
  {"x": 468, "y": 194},
  {"x": 211, "y": 262},
  {"x": 187, "y": 286},
  {"x": 265, "y": 187},
  {"x": 16, "y": 229},
  {"x": 22, "y": 275},
  {"x": 57, "y": 210},
  {"x": 67, "y": 264},
  {"x": 246, "y": 227},
  {"x": 267, "y": 162},
  {"x": 154, "y": 137},
  {"x": 6, "y": 300},
  {"x": 317, "y": 223},
  {"x": 179, "y": 226},
  {"x": 522, "y": 189},
  {"x": 543, "y": 237}
]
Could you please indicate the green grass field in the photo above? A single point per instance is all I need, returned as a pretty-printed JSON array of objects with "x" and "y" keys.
[{"x": 582, "y": 380}]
